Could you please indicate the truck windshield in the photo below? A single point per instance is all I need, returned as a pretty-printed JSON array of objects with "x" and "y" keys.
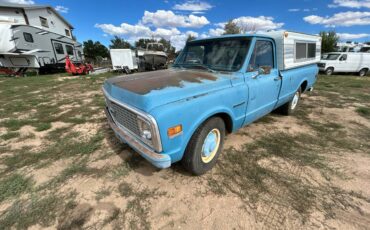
[
  {"x": 220, "y": 55},
  {"x": 330, "y": 57}
]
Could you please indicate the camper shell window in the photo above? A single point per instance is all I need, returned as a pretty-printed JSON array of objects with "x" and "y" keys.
[
  {"x": 305, "y": 51},
  {"x": 44, "y": 22},
  {"x": 69, "y": 50},
  {"x": 28, "y": 37},
  {"x": 59, "y": 48}
]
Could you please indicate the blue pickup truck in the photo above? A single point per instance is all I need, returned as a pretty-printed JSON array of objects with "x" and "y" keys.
[{"x": 215, "y": 87}]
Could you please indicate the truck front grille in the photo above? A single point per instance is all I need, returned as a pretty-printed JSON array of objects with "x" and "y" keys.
[{"x": 124, "y": 117}]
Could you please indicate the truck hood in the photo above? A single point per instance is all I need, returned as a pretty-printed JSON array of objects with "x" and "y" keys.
[{"x": 148, "y": 90}]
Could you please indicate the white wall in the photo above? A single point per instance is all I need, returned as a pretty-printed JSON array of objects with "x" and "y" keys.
[
  {"x": 56, "y": 25},
  {"x": 11, "y": 16}
]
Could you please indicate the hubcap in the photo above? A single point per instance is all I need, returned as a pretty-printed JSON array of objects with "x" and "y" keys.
[
  {"x": 295, "y": 100},
  {"x": 211, "y": 145}
]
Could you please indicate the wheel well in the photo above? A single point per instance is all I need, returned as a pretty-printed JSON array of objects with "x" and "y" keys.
[
  {"x": 227, "y": 120},
  {"x": 367, "y": 69},
  {"x": 304, "y": 86}
]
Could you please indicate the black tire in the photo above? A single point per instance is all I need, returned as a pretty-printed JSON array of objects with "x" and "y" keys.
[
  {"x": 193, "y": 160},
  {"x": 363, "y": 72},
  {"x": 329, "y": 71},
  {"x": 290, "y": 107}
]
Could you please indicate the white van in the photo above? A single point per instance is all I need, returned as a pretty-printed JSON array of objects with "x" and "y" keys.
[{"x": 345, "y": 63}]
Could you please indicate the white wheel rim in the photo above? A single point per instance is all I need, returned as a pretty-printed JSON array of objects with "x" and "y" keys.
[
  {"x": 295, "y": 100},
  {"x": 211, "y": 145}
]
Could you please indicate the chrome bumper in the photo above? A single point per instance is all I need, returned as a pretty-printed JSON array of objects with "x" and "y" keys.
[{"x": 158, "y": 160}]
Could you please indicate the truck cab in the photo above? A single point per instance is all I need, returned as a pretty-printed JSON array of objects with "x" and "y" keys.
[{"x": 215, "y": 87}]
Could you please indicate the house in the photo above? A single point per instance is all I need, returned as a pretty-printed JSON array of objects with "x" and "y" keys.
[{"x": 35, "y": 36}]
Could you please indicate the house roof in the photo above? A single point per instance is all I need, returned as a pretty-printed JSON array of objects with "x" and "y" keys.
[{"x": 33, "y": 6}]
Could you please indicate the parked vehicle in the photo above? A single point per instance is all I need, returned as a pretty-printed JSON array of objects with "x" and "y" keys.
[
  {"x": 80, "y": 69},
  {"x": 345, "y": 63},
  {"x": 216, "y": 86},
  {"x": 34, "y": 36},
  {"x": 124, "y": 60},
  {"x": 154, "y": 56}
]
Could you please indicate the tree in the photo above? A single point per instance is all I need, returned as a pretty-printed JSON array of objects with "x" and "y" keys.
[
  {"x": 119, "y": 43},
  {"x": 329, "y": 41},
  {"x": 142, "y": 42},
  {"x": 190, "y": 38},
  {"x": 232, "y": 28},
  {"x": 93, "y": 50}
]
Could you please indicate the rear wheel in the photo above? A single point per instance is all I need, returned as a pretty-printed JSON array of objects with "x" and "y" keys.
[
  {"x": 363, "y": 72},
  {"x": 290, "y": 107},
  {"x": 329, "y": 71},
  {"x": 204, "y": 147}
]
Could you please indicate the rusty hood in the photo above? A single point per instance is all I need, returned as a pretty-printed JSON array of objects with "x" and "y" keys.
[{"x": 148, "y": 90}]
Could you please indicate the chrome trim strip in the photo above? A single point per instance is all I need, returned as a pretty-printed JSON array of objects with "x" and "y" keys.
[{"x": 157, "y": 144}]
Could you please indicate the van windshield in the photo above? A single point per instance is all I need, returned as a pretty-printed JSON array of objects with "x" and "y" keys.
[
  {"x": 226, "y": 54},
  {"x": 331, "y": 57}
]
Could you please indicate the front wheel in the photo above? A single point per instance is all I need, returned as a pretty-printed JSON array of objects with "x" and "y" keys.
[
  {"x": 204, "y": 147},
  {"x": 363, "y": 72},
  {"x": 329, "y": 71},
  {"x": 290, "y": 107}
]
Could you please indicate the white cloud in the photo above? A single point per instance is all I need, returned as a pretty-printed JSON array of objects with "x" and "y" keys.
[
  {"x": 350, "y": 4},
  {"x": 216, "y": 32},
  {"x": 125, "y": 29},
  {"x": 341, "y": 19},
  {"x": 294, "y": 10},
  {"x": 253, "y": 24},
  {"x": 134, "y": 32},
  {"x": 196, "y": 6},
  {"x": 347, "y": 36},
  {"x": 62, "y": 9},
  {"x": 26, "y": 2},
  {"x": 166, "y": 18}
]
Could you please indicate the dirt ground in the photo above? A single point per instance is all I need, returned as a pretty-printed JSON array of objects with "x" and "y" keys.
[{"x": 62, "y": 168}]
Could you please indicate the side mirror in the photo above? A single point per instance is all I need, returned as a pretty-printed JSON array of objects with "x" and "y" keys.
[{"x": 261, "y": 71}]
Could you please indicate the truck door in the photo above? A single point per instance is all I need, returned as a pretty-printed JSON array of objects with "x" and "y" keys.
[
  {"x": 263, "y": 80},
  {"x": 342, "y": 64}
]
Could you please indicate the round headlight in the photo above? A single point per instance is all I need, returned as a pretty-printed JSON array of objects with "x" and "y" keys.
[{"x": 144, "y": 128}]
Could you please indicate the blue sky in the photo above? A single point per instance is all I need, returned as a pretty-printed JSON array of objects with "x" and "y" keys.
[{"x": 174, "y": 20}]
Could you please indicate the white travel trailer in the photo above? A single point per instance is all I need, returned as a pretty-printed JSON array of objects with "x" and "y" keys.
[
  {"x": 345, "y": 63},
  {"x": 34, "y": 36}
]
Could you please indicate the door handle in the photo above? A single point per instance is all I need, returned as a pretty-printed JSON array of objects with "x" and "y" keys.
[{"x": 277, "y": 78}]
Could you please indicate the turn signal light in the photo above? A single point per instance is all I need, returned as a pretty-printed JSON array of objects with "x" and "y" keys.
[{"x": 171, "y": 132}]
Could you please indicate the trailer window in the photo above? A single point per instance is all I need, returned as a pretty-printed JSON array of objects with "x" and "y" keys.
[
  {"x": 311, "y": 50},
  {"x": 305, "y": 51},
  {"x": 59, "y": 48},
  {"x": 28, "y": 37},
  {"x": 79, "y": 54},
  {"x": 44, "y": 22},
  {"x": 262, "y": 57},
  {"x": 69, "y": 50}
]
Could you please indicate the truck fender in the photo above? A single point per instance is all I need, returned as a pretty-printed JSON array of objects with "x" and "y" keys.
[{"x": 201, "y": 119}]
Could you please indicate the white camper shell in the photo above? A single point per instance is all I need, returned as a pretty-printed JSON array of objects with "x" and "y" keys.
[
  {"x": 345, "y": 63},
  {"x": 296, "y": 49}
]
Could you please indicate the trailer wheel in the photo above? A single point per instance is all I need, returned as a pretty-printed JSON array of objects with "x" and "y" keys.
[
  {"x": 363, "y": 72},
  {"x": 290, "y": 107},
  {"x": 205, "y": 146},
  {"x": 329, "y": 71}
]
